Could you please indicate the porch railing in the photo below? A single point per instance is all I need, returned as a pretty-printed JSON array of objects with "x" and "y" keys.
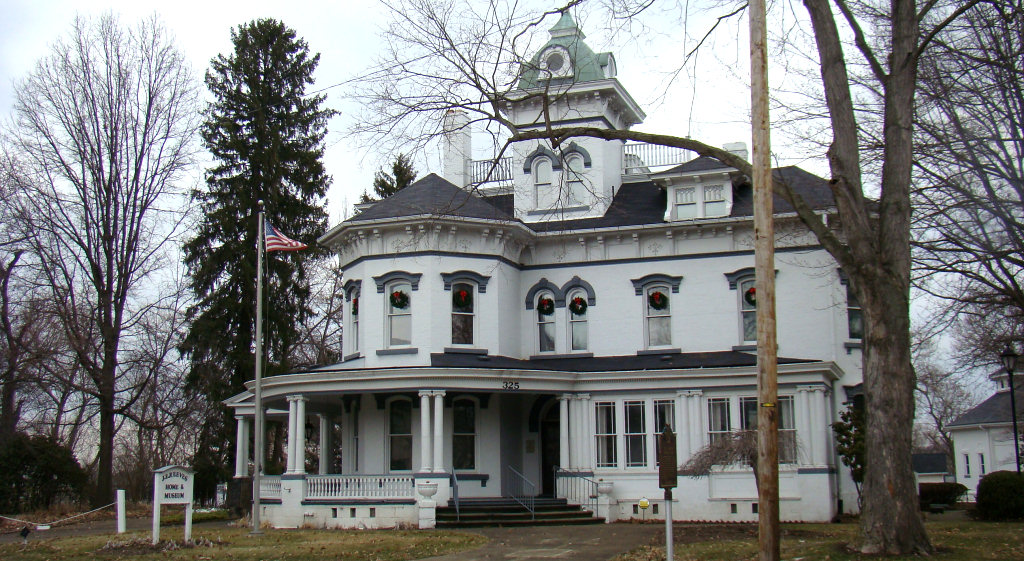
[
  {"x": 486, "y": 171},
  {"x": 640, "y": 157},
  {"x": 270, "y": 487},
  {"x": 576, "y": 489},
  {"x": 360, "y": 487},
  {"x": 521, "y": 489}
]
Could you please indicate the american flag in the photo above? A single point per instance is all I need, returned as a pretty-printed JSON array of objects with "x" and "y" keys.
[{"x": 276, "y": 241}]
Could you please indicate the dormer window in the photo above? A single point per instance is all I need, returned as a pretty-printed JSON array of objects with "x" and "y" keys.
[
  {"x": 694, "y": 197},
  {"x": 575, "y": 190},
  {"x": 714, "y": 200},
  {"x": 686, "y": 203},
  {"x": 556, "y": 63}
]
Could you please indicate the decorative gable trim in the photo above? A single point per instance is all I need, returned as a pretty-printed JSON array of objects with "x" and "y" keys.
[
  {"x": 539, "y": 151},
  {"x": 577, "y": 282},
  {"x": 735, "y": 276},
  {"x": 412, "y": 278},
  {"x": 656, "y": 278},
  {"x": 577, "y": 149},
  {"x": 352, "y": 289},
  {"x": 471, "y": 276},
  {"x": 545, "y": 284}
]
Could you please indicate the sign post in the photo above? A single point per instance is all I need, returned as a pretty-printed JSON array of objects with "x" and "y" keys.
[
  {"x": 172, "y": 485},
  {"x": 668, "y": 478}
]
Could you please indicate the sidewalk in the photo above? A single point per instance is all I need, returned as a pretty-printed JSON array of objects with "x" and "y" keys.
[{"x": 598, "y": 542}]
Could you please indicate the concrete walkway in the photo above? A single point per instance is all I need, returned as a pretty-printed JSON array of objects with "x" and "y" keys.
[{"x": 598, "y": 542}]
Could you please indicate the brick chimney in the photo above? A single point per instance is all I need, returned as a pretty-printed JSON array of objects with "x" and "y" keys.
[{"x": 457, "y": 147}]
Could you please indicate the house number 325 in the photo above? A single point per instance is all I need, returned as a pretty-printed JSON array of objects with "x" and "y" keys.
[{"x": 510, "y": 385}]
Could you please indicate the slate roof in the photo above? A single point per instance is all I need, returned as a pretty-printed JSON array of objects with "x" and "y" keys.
[
  {"x": 995, "y": 409},
  {"x": 432, "y": 195},
  {"x": 627, "y": 363},
  {"x": 812, "y": 188},
  {"x": 634, "y": 204},
  {"x": 929, "y": 463}
]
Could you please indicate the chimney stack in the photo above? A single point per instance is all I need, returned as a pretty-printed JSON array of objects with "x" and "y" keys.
[
  {"x": 457, "y": 147},
  {"x": 738, "y": 149}
]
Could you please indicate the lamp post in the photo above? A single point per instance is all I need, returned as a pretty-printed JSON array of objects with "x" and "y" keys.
[{"x": 1009, "y": 358}]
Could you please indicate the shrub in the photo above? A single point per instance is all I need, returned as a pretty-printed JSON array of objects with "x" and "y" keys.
[
  {"x": 37, "y": 472},
  {"x": 1001, "y": 496},
  {"x": 940, "y": 493}
]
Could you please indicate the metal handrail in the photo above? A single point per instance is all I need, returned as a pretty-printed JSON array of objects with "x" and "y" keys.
[
  {"x": 455, "y": 496},
  {"x": 576, "y": 489},
  {"x": 522, "y": 490}
]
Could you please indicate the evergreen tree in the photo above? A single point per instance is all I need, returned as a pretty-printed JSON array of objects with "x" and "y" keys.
[
  {"x": 386, "y": 184},
  {"x": 267, "y": 139}
]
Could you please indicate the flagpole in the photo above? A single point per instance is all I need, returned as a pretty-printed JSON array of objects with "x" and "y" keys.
[{"x": 258, "y": 390}]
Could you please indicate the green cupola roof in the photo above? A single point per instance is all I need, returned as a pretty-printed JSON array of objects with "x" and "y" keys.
[{"x": 565, "y": 59}]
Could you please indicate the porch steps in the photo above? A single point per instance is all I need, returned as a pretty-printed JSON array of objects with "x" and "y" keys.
[{"x": 507, "y": 512}]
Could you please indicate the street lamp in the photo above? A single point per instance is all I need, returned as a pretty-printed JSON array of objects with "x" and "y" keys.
[{"x": 1009, "y": 358}]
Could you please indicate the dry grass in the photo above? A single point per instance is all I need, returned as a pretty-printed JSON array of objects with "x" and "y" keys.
[{"x": 238, "y": 545}]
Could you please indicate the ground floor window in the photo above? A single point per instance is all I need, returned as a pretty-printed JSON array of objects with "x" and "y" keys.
[
  {"x": 400, "y": 435},
  {"x": 719, "y": 419},
  {"x": 464, "y": 434},
  {"x": 787, "y": 425},
  {"x": 664, "y": 416},
  {"x": 636, "y": 434},
  {"x": 605, "y": 434}
]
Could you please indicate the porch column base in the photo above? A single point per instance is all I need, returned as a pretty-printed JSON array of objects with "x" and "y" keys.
[{"x": 293, "y": 490}]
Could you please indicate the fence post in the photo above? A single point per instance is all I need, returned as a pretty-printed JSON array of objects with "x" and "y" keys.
[{"x": 122, "y": 523}]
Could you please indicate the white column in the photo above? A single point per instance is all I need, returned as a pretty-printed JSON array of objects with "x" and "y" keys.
[
  {"x": 292, "y": 413},
  {"x": 325, "y": 444},
  {"x": 588, "y": 425},
  {"x": 438, "y": 463},
  {"x": 426, "y": 448},
  {"x": 696, "y": 421},
  {"x": 241, "y": 447},
  {"x": 807, "y": 440},
  {"x": 300, "y": 434},
  {"x": 576, "y": 437},
  {"x": 563, "y": 431},
  {"x": 682, "y": 427},
  {"x": 822, "y": 397}
]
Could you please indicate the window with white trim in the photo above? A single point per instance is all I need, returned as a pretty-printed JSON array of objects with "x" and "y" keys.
[
  {"x": 714, "y": 201},
  {"x": 854, "y": 316},
  {"x": 719, "y": 419},
  {"x": 748, "y": 310},
  {"x": 463, "y": 316},
  {"x": 354, "y": 322},
  {"x": 604, "y": 434},
  {"x": 577, "y": 309},
  {"x": 981, "y": 463},
  {"x": 464, "y": 434},
  {"x": 787, "y": 425},
  {"x": 575, "y": 190},
  {"x": 635, "y": 433},
  {"x": 399, "y": 314},
  {"x": 664, "y": 416},
  {"x": 686, "y": 203},
  {"x": 967, "y": 465},
  {"x": 658, "y": 316},
  {"x": 400, "y": 435},
  {"x": 541, "y": 180},
  {"x": 545, "y": 307}
]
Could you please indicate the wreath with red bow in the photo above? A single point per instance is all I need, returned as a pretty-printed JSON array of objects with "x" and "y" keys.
[
  {"x": 355, "y": 306},
  {"x": 545, "y": 306},
  {"x": 657, "y": 300},
  {"x": 750, "y": 296},
  {"x": 399, "y": 300},
  {"x": 578, "y": 305},
  {"x": 462, "y": 298}
]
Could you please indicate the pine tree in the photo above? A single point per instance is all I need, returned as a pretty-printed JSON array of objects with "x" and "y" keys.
[
  {"x": 267, "y": 138},
  {"x": 386, "y": 184}
]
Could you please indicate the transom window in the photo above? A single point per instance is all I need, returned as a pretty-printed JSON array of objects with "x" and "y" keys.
[
  {"x": 399, "y": 314},
  {"x": 463, "y": 305},
  {"x": 604, "y": 434},
  {"x": 400, "y": 435},
  {"x": 464, "y": 434}
]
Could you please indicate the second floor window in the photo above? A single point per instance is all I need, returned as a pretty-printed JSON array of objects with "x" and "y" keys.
[
  {"x": 854, "y": 316},
  {"x": 577, "y": 305},
  {"x": 399, "y": 314},
  {"x": 658, "y": 316},
  {"x": 541, "y": 180},
  {"x": 748, "y": 310},
  {"x": 575, "y": 190},
  {"x": 463, "y": 298},
  {"x": 545, "y": 307}
]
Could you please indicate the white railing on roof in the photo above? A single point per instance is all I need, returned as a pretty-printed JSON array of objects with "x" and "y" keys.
[
  {"x": 487, "y": 171},
  {"x": 270, "y": 487},
  {"x": 360, "y": 487},
  {"x": 641, "y": 157}
]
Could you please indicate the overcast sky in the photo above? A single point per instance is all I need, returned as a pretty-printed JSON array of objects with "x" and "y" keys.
[{"x": 714, "y": 108}]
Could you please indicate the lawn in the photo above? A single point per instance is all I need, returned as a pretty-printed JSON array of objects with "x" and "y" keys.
[
  {"x": 960, "y": 540},
  {"x": 237, "y": 544}
]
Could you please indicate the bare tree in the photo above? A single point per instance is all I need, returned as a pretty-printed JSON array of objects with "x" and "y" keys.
[
  {"x": 942, "y": 397},
  {"x": 443, "y": 57},
  {"x": 969, "y": 210},
  {"x": 319, "y": 335},
  {"x": 105, "y": 126}
]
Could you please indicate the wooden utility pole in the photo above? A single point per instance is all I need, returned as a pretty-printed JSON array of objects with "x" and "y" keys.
[{"x": 764, "y": 266}]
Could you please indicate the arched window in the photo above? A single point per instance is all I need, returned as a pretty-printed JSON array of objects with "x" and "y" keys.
[
  {"x": 658, "y": 316},
  {"x": 464, "y": 434},
  {"x": 545, "y": 306},
  {"x": 351, "y": 290},
  {"x": 399, "y": 314},
  {"x": 400, "y": 435},
  {"x": 575, "y": 190},
  {"x": 463, "y": 303},
  {"x": 578, "y": 335},
  {"x": 541, "y": 179}
]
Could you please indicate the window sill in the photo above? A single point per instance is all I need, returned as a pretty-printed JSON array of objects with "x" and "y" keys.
[
  {"x": 465, "y": 351},
  {"x": 557, "y": 210},
  {"x": 398, "y": 351},
  {"x": 557, "y": 356},
  {"x": 851, "y": 345},
  {"x": 745, "y": 348},
  {"x": 352, "y": 356},
  {"x": 671, "y": 351}
]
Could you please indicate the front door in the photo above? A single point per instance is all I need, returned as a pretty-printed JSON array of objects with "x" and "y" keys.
[{"x": 549, "y": 449}]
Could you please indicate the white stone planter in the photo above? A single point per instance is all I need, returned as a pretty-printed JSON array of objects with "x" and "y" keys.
[
  {"x": 605, "y": 487},
  {"x": 427, "y": 490}
]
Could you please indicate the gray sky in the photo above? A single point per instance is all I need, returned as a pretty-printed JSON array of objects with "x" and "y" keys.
[{"x": 714, "y": 108}]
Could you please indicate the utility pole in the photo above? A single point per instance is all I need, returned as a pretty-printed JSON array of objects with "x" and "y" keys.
[{"x": 764, "y": 266}]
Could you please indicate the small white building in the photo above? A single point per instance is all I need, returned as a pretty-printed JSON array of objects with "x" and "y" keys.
[
  {"x": 526, "y": 327},
  {"x": 983, "y": 436}
]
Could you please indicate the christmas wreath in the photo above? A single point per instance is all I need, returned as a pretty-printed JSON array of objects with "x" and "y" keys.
[
  {"x": 578, "y": 305},
  {"x": 355, "y": 306},
  {"x": 462, "y": 298},
  {"x": 399, "y": 300},
  {"x": 545, "y": 306},
  {"x": 750, "y": 296},
  {"x": 657, "y": 300}
]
